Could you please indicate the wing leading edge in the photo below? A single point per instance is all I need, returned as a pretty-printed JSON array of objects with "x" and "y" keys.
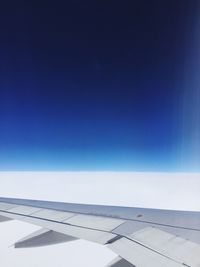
[{"x": 141, "y": 237}]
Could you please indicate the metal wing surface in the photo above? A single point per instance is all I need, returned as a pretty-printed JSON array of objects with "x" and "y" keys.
[{"x": 140, "y": 237}]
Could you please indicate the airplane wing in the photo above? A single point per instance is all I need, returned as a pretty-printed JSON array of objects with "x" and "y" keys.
[{"x": 140, "y": 237}]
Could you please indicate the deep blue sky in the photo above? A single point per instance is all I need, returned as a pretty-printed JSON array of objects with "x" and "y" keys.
[{"x": 94, "y": 85}]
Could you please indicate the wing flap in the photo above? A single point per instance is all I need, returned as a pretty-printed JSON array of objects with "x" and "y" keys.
[
  {"x": 140, "y": 255},
  {"x": 153, "y": 247},
  {"x": 172, "y": 246},
  {"x": 82, "y": 228},
  {"x": 97, "y": 236}
]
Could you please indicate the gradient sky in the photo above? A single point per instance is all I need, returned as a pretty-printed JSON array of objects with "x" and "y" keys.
[{"x": 99, "y": 85}]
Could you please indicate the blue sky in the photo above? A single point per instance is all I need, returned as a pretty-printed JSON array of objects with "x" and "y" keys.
[{"x": 89, "y": 87}]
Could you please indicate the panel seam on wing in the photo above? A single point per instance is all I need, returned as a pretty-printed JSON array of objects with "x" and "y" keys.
[{"x": 59, "y": 222}]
